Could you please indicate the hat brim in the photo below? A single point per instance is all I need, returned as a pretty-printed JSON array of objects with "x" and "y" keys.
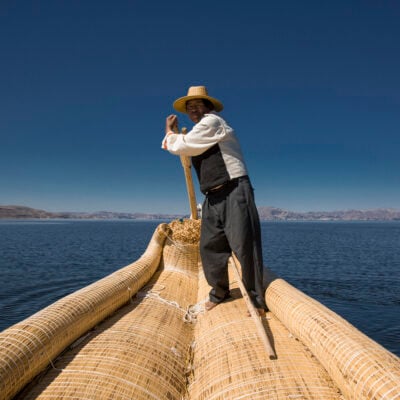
[{"x": 180, "y": 104}]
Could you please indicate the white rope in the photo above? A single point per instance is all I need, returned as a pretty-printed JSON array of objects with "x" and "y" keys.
[
  {"x": 155, "y": 295},
  {"x": 190, "y": 314},
  {"x": 193, "y": 311}
]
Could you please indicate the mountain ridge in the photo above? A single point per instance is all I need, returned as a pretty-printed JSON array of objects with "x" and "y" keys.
[
  {"x": 378, "y": 214},
  {"x": 267, "y": 213}
]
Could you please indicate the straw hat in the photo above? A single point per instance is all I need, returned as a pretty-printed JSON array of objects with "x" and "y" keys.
[{"x": 196, "y": 92}]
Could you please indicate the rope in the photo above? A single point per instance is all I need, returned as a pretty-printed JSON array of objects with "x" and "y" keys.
[
  {"x": 193, "y": 311},
  {"x": 156, "y": 296},
  {"x": 189, "y": 315}
]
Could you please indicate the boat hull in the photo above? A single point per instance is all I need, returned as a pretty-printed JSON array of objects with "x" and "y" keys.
[{"x": 142, "y": 333}]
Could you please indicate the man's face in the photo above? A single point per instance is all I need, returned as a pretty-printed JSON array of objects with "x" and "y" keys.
[{"x": 196, "y": 109}]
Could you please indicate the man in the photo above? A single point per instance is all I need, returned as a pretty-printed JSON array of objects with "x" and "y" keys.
[{"x": 230, "y": 219}]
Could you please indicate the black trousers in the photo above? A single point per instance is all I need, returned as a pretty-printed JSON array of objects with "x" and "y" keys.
[{"x": 230, "y": 222}]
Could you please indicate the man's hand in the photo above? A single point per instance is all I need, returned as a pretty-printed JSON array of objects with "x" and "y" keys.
[{"x": 171, "y": 123}]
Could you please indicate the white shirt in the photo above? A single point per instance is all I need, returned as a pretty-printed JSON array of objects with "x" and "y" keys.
[{"x": 211, "y": 130}]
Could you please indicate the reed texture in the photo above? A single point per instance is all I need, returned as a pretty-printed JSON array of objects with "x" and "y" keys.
[
  {"x": 143, "y": 333},
  {"x": 26, "y": 348},
  {"x": 359, "y": 366},
  {"x": 230, "y": 362},
  {"x": 141, "y": 351}
]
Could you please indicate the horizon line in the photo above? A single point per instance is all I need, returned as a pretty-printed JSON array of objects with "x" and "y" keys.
[{"x": 175, "y": 213}]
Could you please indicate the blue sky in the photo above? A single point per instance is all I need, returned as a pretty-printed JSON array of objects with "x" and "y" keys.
[{"x": 312, "y": 89}]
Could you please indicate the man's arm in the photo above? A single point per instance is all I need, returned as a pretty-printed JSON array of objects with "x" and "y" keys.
[{"x": 204, "y": 135}]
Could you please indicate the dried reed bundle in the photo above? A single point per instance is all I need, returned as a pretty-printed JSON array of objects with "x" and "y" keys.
[
  {"x": 230, "y": 362},
  {"x": 28, "y": 347},
  {"x": 185, "y": 230},
  {"x": 360, "y": 367},
  {"x": 149, "y": 350},
  {"x": 140, "y": 352}
]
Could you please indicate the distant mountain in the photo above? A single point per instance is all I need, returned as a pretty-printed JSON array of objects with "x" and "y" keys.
[
  {"x": 380, "y": 214},
  {"x": 266, "y": 214},
  {"x": 22, "y": 212}
]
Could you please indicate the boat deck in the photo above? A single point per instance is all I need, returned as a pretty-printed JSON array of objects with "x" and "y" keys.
[{"x": 152, "y": 349}]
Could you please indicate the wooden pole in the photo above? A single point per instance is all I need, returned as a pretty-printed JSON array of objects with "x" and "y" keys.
[
  {"x": 187, "y": 165},
  {"x": 253, "y": 312}
]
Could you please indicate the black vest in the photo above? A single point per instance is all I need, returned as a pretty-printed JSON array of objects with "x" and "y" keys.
[{"x": 210, "y": 168}]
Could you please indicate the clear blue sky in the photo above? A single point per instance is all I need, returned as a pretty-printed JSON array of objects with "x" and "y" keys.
[{"x": 312, "y": 89}]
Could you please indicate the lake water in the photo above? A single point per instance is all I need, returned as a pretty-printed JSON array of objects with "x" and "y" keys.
[{"x": 351, "y": 267}]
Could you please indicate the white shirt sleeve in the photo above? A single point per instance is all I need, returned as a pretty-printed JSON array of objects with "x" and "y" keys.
[{"x": 205, "y": 134}]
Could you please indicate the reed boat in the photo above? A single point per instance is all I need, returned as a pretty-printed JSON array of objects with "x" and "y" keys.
[{"x": 142, "y": 333}]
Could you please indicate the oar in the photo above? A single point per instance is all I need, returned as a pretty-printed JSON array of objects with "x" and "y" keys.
[
  {"x": 186, "y": 164},
  {"x": 252, "y": 310}
]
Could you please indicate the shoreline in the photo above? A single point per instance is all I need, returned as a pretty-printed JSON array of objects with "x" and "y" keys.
[{"x": 13, "y": 212}]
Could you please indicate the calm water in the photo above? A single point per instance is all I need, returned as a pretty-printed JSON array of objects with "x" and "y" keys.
[{"x": 353, "y": 268}]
